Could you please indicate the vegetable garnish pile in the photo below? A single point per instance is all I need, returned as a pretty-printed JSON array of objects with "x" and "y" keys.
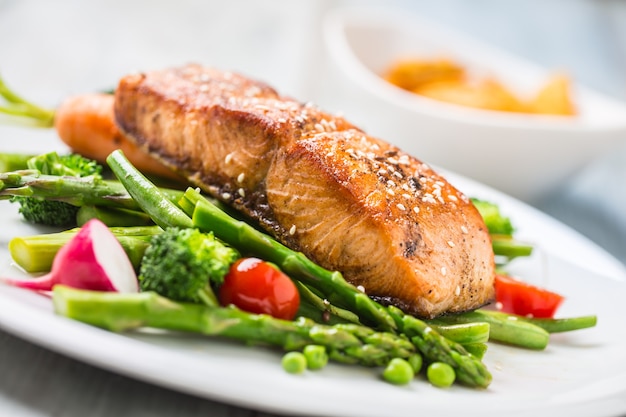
[{"x": 174, "y": 259}]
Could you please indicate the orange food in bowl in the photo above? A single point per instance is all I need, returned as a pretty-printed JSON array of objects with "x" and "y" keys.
[
  {"x": 486, "y": 94},
  {"x": 414, "y": 74},
  {"x": 554, "y": 97},
  {"x": 447, "y": 81}
]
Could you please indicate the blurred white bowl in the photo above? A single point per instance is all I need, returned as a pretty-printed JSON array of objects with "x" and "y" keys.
[{"x": 526, "y": 156}]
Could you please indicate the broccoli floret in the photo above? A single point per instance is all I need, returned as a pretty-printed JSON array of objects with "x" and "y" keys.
[
  {"x": 45, "y": 212},
  {"x": 495, "y": 221},
  {"x": 72, "y": 164},
  {"x": 186, "y": 265},
  {"x": 55, "y": 213}
]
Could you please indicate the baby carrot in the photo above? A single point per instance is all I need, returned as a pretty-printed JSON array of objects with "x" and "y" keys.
[{"x": 86, "y": 124}]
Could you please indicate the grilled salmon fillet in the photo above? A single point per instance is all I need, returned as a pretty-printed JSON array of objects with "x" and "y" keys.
[{"x": 319, "y": 184}]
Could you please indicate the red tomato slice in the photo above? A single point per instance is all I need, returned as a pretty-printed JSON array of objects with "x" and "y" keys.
[
  {"x": 257, "y": 287},
  {"x": 517, "y": 297}
]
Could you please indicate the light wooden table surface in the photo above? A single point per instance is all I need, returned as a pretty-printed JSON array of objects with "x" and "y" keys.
[{"x": 46, "y": 50}]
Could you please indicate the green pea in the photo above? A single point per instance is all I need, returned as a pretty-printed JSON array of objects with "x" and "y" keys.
[
  {"x": 316, "y": 356},
  {"x": 416, "y": 361},
  {"x": 440, "y": 374},
  {"x": 398, "y": 371},
  {"x": 294, "y": 362}
]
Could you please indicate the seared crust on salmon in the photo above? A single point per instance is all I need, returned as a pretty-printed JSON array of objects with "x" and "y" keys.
[{"x": 320, "y": 185}]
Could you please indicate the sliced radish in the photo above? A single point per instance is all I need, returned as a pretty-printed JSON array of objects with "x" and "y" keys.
[{"x": 93, "y": 260}]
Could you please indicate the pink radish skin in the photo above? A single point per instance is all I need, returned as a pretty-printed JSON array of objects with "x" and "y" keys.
[{"x": 92, "y": 260}]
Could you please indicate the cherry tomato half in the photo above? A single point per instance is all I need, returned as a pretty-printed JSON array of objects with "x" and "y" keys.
[
  {"x": 257, "y": 287},
  {"x": 517, "y": 297}
]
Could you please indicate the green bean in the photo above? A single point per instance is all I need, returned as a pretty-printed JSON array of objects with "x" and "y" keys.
[
  {"x": 476, "y": 349},
  {"x": 146, "y": 194},
  {"x": 566, "y": 324},
  {"x": 113, "y": 216},
  {"x": 507, "y": 329},
  {"x": 464, "y": 333}
]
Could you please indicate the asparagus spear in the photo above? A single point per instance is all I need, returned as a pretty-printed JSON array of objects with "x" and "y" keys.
[
  {"x": 319, "y": 309},
  {"x": 311, "y": 305},
  {"x": 22, "y": 110},
  {"x": 123, "y": 312},
  {"x": 14, "y": 161},
  {"x": 436, "y": 348},
  {"x": 78, "y": 191},
  {"x": 206, "y": 216},
  {"x": 35, "y": 253}
]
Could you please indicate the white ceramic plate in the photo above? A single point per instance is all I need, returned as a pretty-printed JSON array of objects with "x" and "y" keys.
[{"x": 580, "y": 374}]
